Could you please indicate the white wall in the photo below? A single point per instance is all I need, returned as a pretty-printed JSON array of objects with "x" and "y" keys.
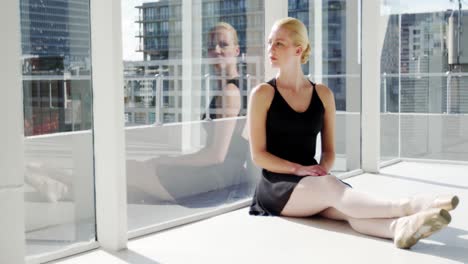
[
  {"x": 108, "y": 124},
  {"x": 11, "y": 138}
]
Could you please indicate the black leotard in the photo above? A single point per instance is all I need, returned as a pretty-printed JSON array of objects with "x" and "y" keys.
[{"x": 290, "y": 135}]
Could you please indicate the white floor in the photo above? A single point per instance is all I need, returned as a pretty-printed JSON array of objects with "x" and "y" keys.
[{"x": 236, "y": 237}]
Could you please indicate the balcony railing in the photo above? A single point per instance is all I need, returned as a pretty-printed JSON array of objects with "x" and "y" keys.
[
  {"x": 425, "y": 92},
  {"x": 152, "y": 80}
]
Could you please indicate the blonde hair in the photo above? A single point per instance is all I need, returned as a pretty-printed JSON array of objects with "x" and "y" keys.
[
  {"x": 228, "y": 27},
  {"x": 298, "y": 34}
]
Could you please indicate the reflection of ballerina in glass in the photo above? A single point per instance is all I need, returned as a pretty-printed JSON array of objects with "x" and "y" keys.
[
  {"x": 223, "y": 49},
  {"x": 51, "y": 183},
  {"x": 220, "y": 163}
]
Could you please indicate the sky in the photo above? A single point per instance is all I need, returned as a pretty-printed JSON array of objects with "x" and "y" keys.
[
  {"x": 130, "y": 28},
  {"x": 421, "y": 6}
]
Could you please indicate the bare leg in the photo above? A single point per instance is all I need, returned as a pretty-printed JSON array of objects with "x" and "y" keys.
[{"x": 315, "y": 194}]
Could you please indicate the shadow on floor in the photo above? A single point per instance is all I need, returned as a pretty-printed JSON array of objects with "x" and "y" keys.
[
  {"x": 423, "y": 181},
  {"x": 132, "y": 257},
  {"x": 448, "y": 243}
]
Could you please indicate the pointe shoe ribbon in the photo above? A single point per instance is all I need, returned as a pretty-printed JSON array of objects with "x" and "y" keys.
[{"x": 410, "y": 229}]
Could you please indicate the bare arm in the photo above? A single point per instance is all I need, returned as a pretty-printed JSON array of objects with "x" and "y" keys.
[
  {"x": 259, "y": 103},
  {"x": 328, "y": 131}
]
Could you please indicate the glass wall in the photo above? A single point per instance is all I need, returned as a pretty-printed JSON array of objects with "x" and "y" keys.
[
  {"x": 424, "y": 82},
  {"x": 333, "y": 27},
  {"x": 56, "y": 66},
  {"x": 389, "y": 90},
  {"x": 187, "y": 73},
  {"x": 152, "y": 38}
]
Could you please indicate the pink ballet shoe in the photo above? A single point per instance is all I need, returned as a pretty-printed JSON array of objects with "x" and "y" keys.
[
  {"x": 447, "y": 202},
  {"x": 410, "y": 229},
  {"x": 415, "y": 204}
]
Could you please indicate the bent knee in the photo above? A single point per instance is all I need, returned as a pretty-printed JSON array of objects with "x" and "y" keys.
[
  {"x": 326, "y": 181},
  {"x": 325, "y": 178},
  {"x": 329, "y": 183}
]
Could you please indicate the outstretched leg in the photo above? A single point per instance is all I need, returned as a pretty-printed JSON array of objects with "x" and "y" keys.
[
  {"x": 314, "y": 194},
  {"x": 379, "y": 227},
  {"x": 405, "y": 231},
  {"x": 331, "y": 198}
]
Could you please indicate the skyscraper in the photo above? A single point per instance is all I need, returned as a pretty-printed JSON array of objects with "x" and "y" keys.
[
  {"x": 55, "y": 41},
  {"x": 332, "y": 28},
  {"x": 160, "y": 39}
]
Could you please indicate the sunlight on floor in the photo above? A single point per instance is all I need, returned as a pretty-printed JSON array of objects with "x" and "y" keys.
[{"x": 236, "y": 237}]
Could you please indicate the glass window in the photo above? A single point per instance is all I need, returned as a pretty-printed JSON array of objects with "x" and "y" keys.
[
  {"x": 333, "y": 32},
  {"x": 56, "y": 66},
  {"x": 191, "y": 155},
  {"x": 424, "y": 77}
]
